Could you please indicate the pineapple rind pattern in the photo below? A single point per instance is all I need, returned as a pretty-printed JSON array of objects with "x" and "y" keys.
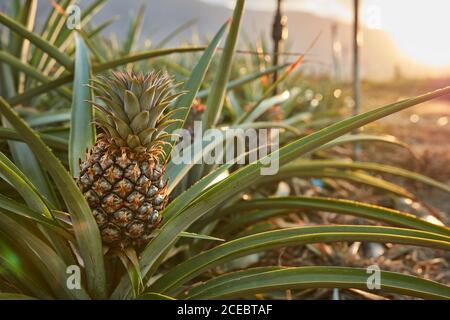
[
  {"x": 126, "y": 197},
  {"x": 121, "y": 176}
]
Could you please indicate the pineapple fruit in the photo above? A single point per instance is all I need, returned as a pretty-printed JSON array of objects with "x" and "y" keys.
[{"x": 122, "y": 175}]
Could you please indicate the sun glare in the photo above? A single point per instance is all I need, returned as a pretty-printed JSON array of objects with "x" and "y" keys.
[{"x": 420, "y": 29}]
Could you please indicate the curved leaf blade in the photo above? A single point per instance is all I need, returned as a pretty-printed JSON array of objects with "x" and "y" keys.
[
  {"x": 293, "y": 236},
  {"x": 51, "y": 266},
  {"x": 85, "y": 227},
  {"x": 323, "y": 277},
  {"x": 369, "y": 166},
  {"x": 192, "y": 86},
  {"x": 216, "y": 96},
  {"x": 82, "y": 129},
  {"x": 359, "y": 209},
  {"x": 38, "y": 41},
  {"x": 248, "y": 175},
  {"x": 52, "y": 141},
  {"x": 31, "y": 93}
]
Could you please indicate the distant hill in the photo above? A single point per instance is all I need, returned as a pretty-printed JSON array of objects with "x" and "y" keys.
[{"x": 380, "y": 58}]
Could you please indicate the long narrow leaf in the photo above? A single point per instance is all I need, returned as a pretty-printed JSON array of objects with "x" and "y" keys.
[
  {"x": 237, "y": 83},
  {"x": 11, "y": 174},
  {"x": 37, "y": 41},
  {"x": 354, "y": 176},
  {"x": 175, "y": 32},
  {"x": 30, "y": 71},
  {"x": 52, "y": 141},
  {"x": 217, "y": 94},
  {"x": 85, "y": 227},
  {"x": 294, "y": 236},
  {"x": 51, "y": 266},
  {"x": 97, "y": 69},
  {"x": 369, "y": 166},
  {"x": 359, "y": 209},
  {"x": 14, "y": 296},
  {"x": 323, "y": 277},
  {"x": 246, "y": 176},
  {"x": 24, "y": 211},
  {"x": 360, "y": 137},
  {"x": 15, "y": 265},
  {"x": 193, "y": 84},
  {"x": 82, "y": 130},
  {"x": 133, "y": 31}
]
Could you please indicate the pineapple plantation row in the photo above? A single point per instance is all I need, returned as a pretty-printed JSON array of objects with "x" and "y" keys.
[{"x": 88, "y": 184}]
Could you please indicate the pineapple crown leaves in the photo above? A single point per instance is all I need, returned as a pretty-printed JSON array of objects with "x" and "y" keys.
[{"x": 131, "y": 112}]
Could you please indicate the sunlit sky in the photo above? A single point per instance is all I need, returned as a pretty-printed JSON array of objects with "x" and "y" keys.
[{"x": 419, "y": 28}]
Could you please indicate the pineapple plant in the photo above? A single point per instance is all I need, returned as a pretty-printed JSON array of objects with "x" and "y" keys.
[
  {"x": 50, "y": 223},
  {"x": 122, "y": 175},
  {"x": 195, "y": 114}
]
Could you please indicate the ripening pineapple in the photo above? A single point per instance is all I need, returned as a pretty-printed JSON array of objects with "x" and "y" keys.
[{"x": 121, "y": 176}]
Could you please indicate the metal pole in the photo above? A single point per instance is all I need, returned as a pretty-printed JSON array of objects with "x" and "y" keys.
[
  {"x": 356, "y": 71},
  {"x": 279, "y": 33},
  {"x": 336, "y": 52},
  {"x": 356, "y": 75}
]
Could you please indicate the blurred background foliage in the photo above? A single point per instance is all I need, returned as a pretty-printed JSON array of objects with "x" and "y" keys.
[{"x": 43, "y": 71}]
